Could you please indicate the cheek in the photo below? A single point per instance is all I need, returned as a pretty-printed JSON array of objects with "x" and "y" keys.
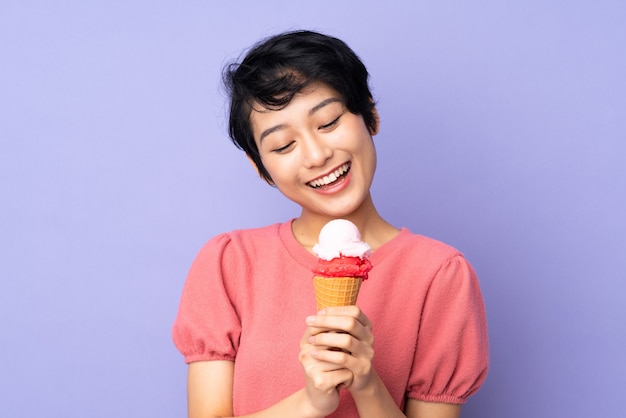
[
  {"x": 281, "y": 168},
  {"x": 368, "y": 151}
]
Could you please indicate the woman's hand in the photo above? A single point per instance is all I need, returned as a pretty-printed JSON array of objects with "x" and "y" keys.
[
  {"x": 323, "y": 378},
  {"x": 340, "y": 338}
]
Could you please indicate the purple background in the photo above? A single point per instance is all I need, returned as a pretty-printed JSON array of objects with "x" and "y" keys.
[{"x": 503, "y": 133}]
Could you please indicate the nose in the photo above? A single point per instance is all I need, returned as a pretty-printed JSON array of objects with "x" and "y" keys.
[{"x": 316, "y": 151}]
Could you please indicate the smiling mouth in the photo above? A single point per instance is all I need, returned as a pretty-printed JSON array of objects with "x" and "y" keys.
[{"x": 330, "y": 178}]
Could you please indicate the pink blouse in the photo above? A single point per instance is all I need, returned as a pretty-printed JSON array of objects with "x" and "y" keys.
[{"x": 248, "y": 293}]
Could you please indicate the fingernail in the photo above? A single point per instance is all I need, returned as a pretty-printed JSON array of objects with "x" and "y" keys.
[{"x": 310, "y": 319}]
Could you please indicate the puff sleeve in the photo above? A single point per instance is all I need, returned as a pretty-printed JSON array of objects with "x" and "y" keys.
[
  {"x": 452, "y": 353},
  {"x": 207, "y": 326}
]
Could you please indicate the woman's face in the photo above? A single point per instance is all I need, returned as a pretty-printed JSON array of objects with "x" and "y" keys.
[{"x": 318, "y": 154}]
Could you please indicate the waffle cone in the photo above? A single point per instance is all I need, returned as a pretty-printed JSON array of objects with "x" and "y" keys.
[{"x": 336, "y": 291}]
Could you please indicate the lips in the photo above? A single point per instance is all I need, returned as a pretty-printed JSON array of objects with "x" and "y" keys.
[{"x": 330, "y": 178}]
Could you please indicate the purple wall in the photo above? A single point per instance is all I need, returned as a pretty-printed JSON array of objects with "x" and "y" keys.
[{"x": 503, "y": 133}]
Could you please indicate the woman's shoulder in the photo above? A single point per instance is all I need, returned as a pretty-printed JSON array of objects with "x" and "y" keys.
[
  {"x": 407, "y": 241},
  {"x": 244, "y": 239},
  {"x": 262, "y": 232},
  {"x": 415, "y": 252},
  {"x": 247, "y": 233}
]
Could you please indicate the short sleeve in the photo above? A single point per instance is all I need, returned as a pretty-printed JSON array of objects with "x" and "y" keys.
[
  {"x": 207, "y": 326},
  {"x": 452, "y": 353}
]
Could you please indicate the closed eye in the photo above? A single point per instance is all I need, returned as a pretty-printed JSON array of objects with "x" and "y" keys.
[
  {"x": 332, "y": 123},
  {"x": 283, "y": 148}
]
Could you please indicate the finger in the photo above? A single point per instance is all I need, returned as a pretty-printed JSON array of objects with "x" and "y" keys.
[
  {"x": 341, "y": 323},
  {"x": 307, "y": 350},
  {"x": 323, "y": 373},
  {"x": 358, "y": 366},
  {"x": 350, "y": 310},
  {"x": 334, "y": 358},
  {"x": 310, "y": 332},
  {"x": 331, "y": 380},
  {"x": 315, "y": 330},
  {"x": 335, "y": 341},
  {"x": 346, "y": 383},
  {"x": 343, "y": 343},
  {"x": 327, "y": 322}
]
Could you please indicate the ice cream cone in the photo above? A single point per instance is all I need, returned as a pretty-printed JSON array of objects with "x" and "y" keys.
[
  {"x": 342, "y": 264},
  {"x": 336, "y": 291}
]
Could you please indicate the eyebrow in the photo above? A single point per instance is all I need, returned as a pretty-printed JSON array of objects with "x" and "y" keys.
[
  {"x": 271, "y": 131},
  {"x": 314, "y": 109},
  {"x": 322, "y": 104}
]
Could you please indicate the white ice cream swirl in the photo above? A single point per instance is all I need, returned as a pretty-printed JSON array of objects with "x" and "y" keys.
[{"x": 341, "y": 237}]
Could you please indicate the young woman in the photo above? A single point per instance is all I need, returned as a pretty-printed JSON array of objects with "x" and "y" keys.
[{"x": 416, "y": 344}]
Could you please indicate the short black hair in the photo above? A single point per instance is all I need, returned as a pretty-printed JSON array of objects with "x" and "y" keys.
[{"x": 279, "y": 67}]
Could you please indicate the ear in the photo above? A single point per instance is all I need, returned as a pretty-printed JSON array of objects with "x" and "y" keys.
[
  {"x": 377, "y": 120},
  {"x": 270, "y": 182}
]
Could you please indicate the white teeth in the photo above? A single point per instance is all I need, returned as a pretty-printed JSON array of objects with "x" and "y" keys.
[{"x": 332, "y": 177}]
